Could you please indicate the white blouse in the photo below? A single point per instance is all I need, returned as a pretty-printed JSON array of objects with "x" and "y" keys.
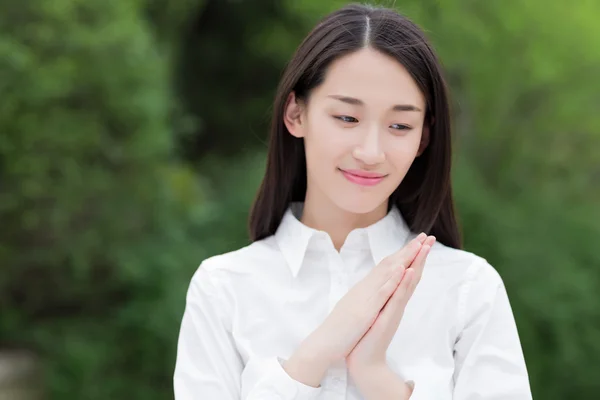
[{"x": 249, "y": 309}]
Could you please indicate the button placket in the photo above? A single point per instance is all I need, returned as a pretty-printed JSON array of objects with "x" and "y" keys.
[
  {"x": 337, "y": 383},
  {"x": 338, "y": 282},
  {"x": 337, "y": 379}
]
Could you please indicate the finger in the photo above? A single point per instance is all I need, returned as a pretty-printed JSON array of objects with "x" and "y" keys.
[
  {"x": 419, "y": 261},
  {"x": 408, "y": 255},
  {"x": 410, "y": 251},
  {"x": 407, "y": 252},
  {"x": 391, "y": 314},
  {"x": 394, "y": 308},
  {"x": 383, "y": 284},
  {"x": 430, "y": 240},
  {"x": 401, "y": 259},
  {"x": 418, "y": 265},
  {"x": 379, "y": 299},
  {"x": 404, "y": 256},
  {"x": 396, "y": 299}
]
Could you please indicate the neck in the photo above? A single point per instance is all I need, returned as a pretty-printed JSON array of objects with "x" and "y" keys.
[{"x": 338, "y": 223}]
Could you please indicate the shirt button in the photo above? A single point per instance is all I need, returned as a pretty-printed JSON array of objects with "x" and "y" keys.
[{"x": 337, "y": 382}]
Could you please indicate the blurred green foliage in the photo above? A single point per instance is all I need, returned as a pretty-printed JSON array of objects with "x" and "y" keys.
[
  {"x": 132, "y": 141},
  {"x": 99, "y": 219}
]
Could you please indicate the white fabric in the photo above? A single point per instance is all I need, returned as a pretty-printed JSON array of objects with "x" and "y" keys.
[{"x": 249, "y": 309}]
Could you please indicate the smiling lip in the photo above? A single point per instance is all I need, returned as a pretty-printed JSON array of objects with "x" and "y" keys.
[{"x": 362, "y": 178}]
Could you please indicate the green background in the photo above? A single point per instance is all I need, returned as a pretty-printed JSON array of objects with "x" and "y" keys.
[{"x": 132, "y": 141}]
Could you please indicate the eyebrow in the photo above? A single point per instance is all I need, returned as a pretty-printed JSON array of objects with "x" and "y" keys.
[{"x": 358, "y": 102}]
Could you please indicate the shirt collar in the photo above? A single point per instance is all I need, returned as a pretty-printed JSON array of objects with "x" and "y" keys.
[{"x": 382, "y": 238}]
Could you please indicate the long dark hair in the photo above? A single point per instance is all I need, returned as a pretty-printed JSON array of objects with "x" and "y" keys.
[{"x": 425, "y": 195}]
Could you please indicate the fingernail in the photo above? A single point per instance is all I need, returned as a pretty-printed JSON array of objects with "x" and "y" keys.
[
  {"x": 422, "y": 236},
  {"x": 411, "y": 385}
]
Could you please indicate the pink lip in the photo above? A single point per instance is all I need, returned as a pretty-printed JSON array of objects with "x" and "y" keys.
[{"x": 363, "y": 178}]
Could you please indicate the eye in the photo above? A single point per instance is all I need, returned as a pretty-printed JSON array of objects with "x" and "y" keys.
[
  {"x": 346, "y": 118},
  {"x": 401, "y": 127}
]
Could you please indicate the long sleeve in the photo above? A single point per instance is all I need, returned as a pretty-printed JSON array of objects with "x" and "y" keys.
[
  {"x": 489, "y": 362},
  {"x": 208, "y": 365}
]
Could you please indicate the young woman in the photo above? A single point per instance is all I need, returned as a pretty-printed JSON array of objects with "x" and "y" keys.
[{"x": 354, "y": 211}]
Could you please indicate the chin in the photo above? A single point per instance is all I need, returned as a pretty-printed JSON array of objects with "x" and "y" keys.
[{"x": 358, "y": 204}]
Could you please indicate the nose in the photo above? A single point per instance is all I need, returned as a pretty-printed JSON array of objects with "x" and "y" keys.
[{"x": 369, "y": 150}]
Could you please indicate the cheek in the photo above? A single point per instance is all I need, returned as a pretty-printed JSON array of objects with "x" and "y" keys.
[
  {"x": 325, "y": 143},
  {"x": 402, "y": 152}
]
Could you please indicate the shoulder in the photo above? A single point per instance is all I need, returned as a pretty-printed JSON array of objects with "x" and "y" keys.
[
  {"x": 243, "y": 260},
  {"x": 465, "y": 266},
  {"x": 469, "y": 281},
  {"x": 219, "y": 271}
]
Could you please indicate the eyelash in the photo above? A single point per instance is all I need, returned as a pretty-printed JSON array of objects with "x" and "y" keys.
[{"x": 342, "y": 118}]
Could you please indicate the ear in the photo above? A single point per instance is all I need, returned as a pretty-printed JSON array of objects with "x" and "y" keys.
[
  {"x": 424, "y": 138},
  {"x": 292, "y": 116}
]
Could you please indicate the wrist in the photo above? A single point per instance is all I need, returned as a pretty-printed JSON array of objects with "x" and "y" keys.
[
  {"x": 366, "y": 376},
  {"x": 379, "y": 382},
  {"x": 308, "y": 364}
]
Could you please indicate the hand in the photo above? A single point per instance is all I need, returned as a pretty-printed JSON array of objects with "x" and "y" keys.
[
  {"x": 354, "y": 314},
  {"x": 370, "y": 351},
  {"x": 350, "y": 319}
]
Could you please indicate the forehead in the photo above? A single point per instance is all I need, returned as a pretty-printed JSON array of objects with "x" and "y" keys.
[{"x": 373, "y": 77}]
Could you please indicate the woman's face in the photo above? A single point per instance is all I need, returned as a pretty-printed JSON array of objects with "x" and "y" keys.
[{"x": 362, "y": 129}]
